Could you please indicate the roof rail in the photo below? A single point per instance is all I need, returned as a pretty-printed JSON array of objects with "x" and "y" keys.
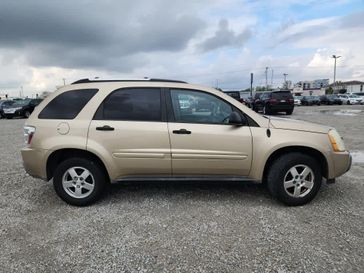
[{"x": 146, "y": 79}]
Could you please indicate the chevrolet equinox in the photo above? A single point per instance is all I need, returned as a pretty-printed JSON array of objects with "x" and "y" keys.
[{"x": 94, "y": 132}]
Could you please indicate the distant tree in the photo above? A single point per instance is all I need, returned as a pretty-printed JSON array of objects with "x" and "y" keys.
[
  {"x": 245, "y": 90},
  {"x": 261, "y": 89},
  {"x": 329, "y": 90}
]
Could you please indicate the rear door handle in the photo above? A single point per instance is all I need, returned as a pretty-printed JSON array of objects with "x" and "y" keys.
[
  {"x": 105, "y": 128},
  {"x": 182, "y": 132}
]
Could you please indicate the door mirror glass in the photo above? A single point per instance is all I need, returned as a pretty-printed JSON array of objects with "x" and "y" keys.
[{"x": 237, "y": 119}]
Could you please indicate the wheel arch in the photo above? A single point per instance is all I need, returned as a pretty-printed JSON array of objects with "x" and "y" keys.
[
  {"x": 58, "y": 156},
  {"x": 300, "y": 149}
]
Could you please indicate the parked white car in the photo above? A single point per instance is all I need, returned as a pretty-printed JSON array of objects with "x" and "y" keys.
[
  {"x": 297, "y": 100},
  {"x": 350, "y": 99}
]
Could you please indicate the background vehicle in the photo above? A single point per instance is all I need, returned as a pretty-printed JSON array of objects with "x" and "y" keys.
[
  {"x": 256, "y": 99},
  {"x": 350, "y": 99},
  {"x": 275, "y": 101},
  {"x": 310, "y": 100},
  {"x": 330, "y": 100},
  {"x": 236, "y": 95},
  {"x": 21, "y": 108},
  {"x": 4, "y": 103},
  {"x": 359, "y": 94},
  {"x": 297, "y": 100},
  {"x": 90, "y": 133}
]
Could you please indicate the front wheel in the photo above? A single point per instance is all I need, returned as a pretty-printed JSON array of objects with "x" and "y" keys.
[
  {"x": 294, "y": 178},
  {"x": 79, "y": 181},
  {"x": 27, "y": 114}
]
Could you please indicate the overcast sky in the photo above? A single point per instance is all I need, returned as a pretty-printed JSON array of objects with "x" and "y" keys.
[{"x": 201, "y": 41}]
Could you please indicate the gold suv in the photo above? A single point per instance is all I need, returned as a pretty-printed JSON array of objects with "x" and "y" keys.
[{"x": 90, "y": 133}]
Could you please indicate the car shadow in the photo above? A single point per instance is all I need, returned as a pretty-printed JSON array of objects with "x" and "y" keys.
[{"x": 194, "y": 190}]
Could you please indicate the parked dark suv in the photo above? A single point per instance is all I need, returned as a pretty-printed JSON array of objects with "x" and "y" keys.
[
  {"x": 236, "y": 95},
  {"x": 330, "y": 100},
  {"x": 310, "y": 100},
  {"x": 275, "y": 101},
  {"x": 3, "y": 104},
  {"x": 21, "y": 108}
]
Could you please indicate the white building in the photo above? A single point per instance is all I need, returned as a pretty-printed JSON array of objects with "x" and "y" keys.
[
  {"x": 348, "y": 87},
  {"x": 320, "y": 83},
  {"x": 299, "y": 91}
]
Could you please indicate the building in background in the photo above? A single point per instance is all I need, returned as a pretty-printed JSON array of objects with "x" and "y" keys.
[
  {"x": 348, "y": 87},
  {"x": 315, "y": 84}
]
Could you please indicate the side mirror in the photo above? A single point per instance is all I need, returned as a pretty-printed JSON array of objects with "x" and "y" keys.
[{"x": 237, "y": 119}]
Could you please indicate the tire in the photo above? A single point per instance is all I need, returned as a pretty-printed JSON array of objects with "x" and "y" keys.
[
  {"x": 289, "y": 112},
  {"x": 280, "y": 171},
  {"x": 266, "y": 110},
  {"x": 9, "y": 117},
  {"x": 348, "y": 102},
  {"x": 26, "y": 114},
  {"x": 84, "y": 195}
]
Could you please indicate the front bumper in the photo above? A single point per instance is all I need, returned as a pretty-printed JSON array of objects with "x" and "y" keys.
[
  {"x": 341, "y": 163},
  {"x": 34, "y": 162}
]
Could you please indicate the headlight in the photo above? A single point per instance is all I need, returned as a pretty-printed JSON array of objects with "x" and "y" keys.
[{"x": 336, "y": 141}]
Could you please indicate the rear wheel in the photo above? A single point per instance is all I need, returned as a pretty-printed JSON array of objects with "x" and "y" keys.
[
  {"x": 289, "y": 112},
  {"x": 79, "y": 181},
  {"x": 27, "y": 114},
  {"x": 294, "y": 179},
  {"x": 266, "y": 110}
]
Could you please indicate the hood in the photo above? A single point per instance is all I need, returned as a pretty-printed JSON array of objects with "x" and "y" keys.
[{"x": 298, "y": 125}]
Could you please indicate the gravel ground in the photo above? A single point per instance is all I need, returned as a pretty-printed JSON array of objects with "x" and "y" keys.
[{"x": 184, "y": 227}]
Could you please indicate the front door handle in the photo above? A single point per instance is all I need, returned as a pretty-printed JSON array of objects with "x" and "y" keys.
[
  {"x": 105, "y": 128},
  {"x": 182, "y": 132}
]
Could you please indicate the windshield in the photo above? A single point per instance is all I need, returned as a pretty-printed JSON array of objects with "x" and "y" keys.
[{"x": 21, "y": 103}]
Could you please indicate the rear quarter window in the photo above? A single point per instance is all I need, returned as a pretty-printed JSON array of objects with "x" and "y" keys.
[{"x": 67, "y": 105}]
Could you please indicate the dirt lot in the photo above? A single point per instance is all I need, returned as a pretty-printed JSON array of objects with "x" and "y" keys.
[{"x": 184, "y": 227}]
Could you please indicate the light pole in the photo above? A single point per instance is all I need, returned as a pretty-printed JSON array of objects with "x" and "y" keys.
[
  {"x": 335, "y": 57},
  {"x": 285, "y": 80}
]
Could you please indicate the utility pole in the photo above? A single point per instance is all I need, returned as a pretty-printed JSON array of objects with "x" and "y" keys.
[
  {"x": 266, "y": 78},
  {"x": 285, "y": 80},
  {"x": 335, "y": 57},
  {"x": 251, "y": 84},
  {"x": 64, "y": 81},
  {"x": 217, "y": 83},
  {"x": 271, "y": 79}
]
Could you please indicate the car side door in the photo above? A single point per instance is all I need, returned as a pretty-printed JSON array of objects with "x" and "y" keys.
[
  {"x": 130, "y": 131},
  {"x": 202, "y": 140}
]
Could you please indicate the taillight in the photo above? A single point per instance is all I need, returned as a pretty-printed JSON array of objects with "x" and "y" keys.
[
  {"x": 291, "y": 100},
  {"x": 272, "y": 101},
  {"x": 28, "y": 134}
]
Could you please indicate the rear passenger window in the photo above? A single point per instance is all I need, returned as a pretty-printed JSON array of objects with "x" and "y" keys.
[
  {"x": 137, "y": 104},
  {"x": 67, "y": 105}
]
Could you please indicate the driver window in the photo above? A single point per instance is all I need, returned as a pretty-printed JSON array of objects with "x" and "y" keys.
[{"x": 199, "y": 107}]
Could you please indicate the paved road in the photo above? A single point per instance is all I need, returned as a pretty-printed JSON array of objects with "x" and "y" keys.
[{"x": 184, "y": 227}]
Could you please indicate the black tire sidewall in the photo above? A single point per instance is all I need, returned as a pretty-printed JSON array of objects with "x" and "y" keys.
[
  {"x": 278, "y": 171},
  {"x": 91, "y": 166}
]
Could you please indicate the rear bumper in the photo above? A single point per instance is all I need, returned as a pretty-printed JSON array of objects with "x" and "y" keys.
[
  {"x": 281, "y": 107},
  {"x": 34, "y": 162}
]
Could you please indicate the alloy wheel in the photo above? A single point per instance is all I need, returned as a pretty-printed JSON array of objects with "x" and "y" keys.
[
  {"x": 78, "y": 182},
  {"x": 299, "y": 181}
]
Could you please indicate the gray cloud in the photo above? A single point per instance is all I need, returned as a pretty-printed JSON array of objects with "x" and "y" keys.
[
  {"x": 225, "y": 37},
  {"x": 111, "y": 35}
]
